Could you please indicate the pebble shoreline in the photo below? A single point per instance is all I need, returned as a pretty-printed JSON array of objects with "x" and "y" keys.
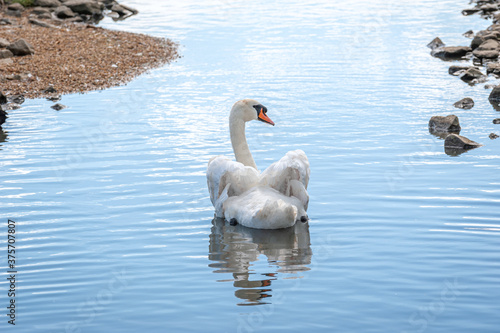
[
  {"x": 483, "y": 52},
  {"x": 74, "y": 57}
]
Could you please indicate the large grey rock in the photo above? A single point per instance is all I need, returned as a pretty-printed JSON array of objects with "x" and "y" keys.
[
  {"x": 451, "y": 52},
  {"x": 64, "y": 12},
  {"x": 87, "y": 7},
  {"x": 47, "y": 3},
  {"x": 466, "y": 103},
  {"x": 449, "y": 123},
  {"x": 21, "y": 47},
  {"x": 488, "y": 49},
  {"x": 460, "y": 142},
  {"x": 4, "y": 53}
]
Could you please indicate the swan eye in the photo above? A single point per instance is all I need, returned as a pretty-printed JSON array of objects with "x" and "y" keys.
[{"x": 259, "y": 108}]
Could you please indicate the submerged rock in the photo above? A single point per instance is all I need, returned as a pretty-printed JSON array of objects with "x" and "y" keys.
[
  {"x": 58, "y": 106},
  {"x": 495, "y": 94},
  {"x": 439, "y": 124},
  {"x": 468, "y": 34},
  {"x": 466, "y": 103}
]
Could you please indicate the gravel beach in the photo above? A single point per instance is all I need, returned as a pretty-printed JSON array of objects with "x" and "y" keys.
[{"x": 75, "y": 57}]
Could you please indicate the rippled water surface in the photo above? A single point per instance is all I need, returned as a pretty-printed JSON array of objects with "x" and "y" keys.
[{"x": 114, "y": 221}]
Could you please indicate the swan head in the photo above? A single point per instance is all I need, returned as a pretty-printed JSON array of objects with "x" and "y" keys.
[{"x": 250, "y": 109}]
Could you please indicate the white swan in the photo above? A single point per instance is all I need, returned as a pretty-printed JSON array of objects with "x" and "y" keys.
[{"x": 275, "y": 199}]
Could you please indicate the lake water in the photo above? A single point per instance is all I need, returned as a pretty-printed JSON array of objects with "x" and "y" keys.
[{"x": 114, "y": 221}]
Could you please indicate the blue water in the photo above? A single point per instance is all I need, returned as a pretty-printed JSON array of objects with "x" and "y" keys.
[{"x": 114, "y": 221}]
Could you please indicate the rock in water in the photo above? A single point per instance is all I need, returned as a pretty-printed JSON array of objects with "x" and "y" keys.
[
  {"x": 451, "y": 52},
  {"x": 3, "y": 98},
  {"x": 458, "y": 70},
  {"x": 20, "y": 48},
  {"x": 449, "y": 123},
  {"x": 435, "y": 43},
  {"x": 459, "y": 142},
  {"x": 3, "y": 116},
  {"x": 496, "y": 121},
  {"x": 495, "y": 94},
  {"x": 472, "y": 74},
  {"x": 466, "y": 103},
  {"x": 58, "y": 107},
  {"x": 493, "y": 136}
]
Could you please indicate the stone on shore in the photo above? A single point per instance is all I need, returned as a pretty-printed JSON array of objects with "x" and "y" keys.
[
  {"x": 20, "y": 48},
  {"x": 47, "y": 3},
  {"x": 4, "y": 42},
  {"x": 4, "y": 53},
  {"x": 451, "y": 52},
  {"x": 16, "y": 7},
  {"x": 43, "y": 23},
  {"x": 3, "y": 98},
  {"x": 40, "y": 10},
  {"x": 87, "y": 7},
  {"x": 64, "y": 12},
  {"x": 438, "y": 124},
  {"x": 495, "y": 94},
  {"x": 466, "y": 103},
  {"x": 459, "y": 142}
]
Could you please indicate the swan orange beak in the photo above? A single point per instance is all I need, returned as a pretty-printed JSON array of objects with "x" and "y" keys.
[{"x": 263, "y": 117}]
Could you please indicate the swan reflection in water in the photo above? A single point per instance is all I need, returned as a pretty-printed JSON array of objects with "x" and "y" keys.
[{"x": 234, "y": 249}]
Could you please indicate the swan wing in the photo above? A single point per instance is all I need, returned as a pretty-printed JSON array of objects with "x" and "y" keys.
[
  {"x": 222, "y": 171},
  {"x": 293, "y": 166}
]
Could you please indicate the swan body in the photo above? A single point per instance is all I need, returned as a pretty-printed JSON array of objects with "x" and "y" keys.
[{"x": 273, "y": 199}]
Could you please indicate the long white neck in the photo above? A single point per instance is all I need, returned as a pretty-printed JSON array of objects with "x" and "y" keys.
[{"x": 239, "y": 141}]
